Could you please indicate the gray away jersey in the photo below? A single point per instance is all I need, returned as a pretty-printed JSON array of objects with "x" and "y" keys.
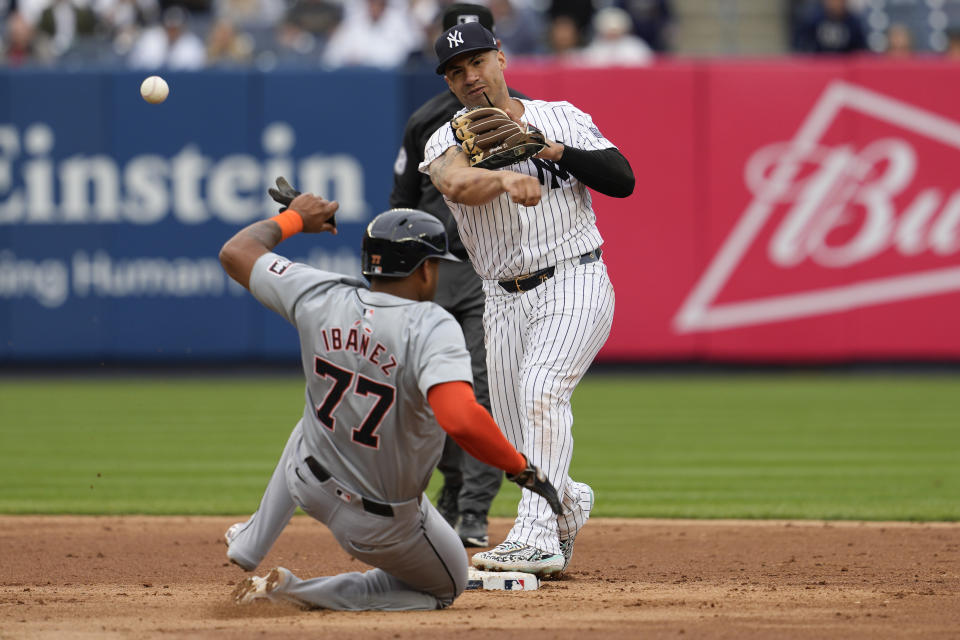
[
  {"x": 507, "y": 240},
  {"x": 369, "y": 359}
]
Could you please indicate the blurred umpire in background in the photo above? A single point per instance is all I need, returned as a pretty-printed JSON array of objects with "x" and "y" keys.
[{"x": 469, "y": 486}]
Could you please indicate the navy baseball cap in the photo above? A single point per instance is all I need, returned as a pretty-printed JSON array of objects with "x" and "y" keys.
[{"x": 462, "y": 38}]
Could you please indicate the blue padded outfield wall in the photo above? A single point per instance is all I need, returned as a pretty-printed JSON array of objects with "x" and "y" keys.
[{"x": 112, "y": 210}]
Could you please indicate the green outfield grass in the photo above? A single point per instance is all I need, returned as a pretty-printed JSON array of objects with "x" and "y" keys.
[{"x": 781, "y": 445}]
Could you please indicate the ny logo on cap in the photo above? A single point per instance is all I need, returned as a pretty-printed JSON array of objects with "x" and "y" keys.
[{"x": 455, "y": 39}]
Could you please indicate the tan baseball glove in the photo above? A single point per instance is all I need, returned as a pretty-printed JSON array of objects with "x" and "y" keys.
[{"x": 492, "y": 139}]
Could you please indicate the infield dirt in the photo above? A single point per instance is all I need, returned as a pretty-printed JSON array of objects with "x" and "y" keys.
[{"x": 167, "y": 577}]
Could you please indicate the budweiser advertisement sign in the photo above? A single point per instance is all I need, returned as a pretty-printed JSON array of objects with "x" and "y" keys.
[
  {"x": 839, "y": 224},
  {"x": 785, "y": 210}
]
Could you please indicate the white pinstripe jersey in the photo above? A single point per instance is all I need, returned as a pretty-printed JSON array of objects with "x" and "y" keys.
[{"x": 507, "y": 240}]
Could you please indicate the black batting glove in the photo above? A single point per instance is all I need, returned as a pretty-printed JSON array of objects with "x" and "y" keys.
[
  {"x": 535, "y": 480},
  {"x": 284, "y": 195}
]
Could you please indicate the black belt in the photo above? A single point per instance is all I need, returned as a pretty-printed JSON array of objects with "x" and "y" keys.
[
  {"x": 518, "y": 285},
  {"x": 370, "y": 506}
]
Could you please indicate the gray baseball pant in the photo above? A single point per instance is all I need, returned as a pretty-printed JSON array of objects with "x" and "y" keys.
[{"x": 420, "y": 561}]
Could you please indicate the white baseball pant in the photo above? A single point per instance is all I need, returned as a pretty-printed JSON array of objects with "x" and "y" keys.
[{"x": 540, "y": 344}]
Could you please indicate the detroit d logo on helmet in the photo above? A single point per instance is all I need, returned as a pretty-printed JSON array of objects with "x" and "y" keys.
[{"x": 455, "y": 39}]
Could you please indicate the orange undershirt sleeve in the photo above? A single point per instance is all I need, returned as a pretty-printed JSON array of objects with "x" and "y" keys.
[{"x": 472, "y": 426}]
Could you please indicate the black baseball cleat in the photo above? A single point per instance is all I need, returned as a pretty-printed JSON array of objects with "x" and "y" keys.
[{"x": 472, "y": 529}]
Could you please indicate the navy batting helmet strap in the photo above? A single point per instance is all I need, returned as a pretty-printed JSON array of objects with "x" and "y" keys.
[{"x": 399, "y": 240}]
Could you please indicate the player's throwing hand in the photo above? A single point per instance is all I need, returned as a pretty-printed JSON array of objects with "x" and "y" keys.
[{"x": 523, "y": 189}]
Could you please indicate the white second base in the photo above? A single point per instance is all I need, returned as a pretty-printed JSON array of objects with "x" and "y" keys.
[{"x": 501, "y": 580}]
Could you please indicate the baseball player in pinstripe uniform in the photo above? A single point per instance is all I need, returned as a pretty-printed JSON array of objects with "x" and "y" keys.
[
  {"x": 531, "y": 234},
  {"x": 469, "y": 486},
  {"x": 384, "y": 367}
]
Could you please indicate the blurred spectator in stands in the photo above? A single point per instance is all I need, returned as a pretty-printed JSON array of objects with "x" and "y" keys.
[
  {"x": 613, "y": 43},
  {"x": 199, "y": 9},
  {"x": 424, "y": 57},
  {"x": 122, "y": 20},
  {"x": 899, "y": 41},
  {"x": 29, "y": 10},
  {"x": 170, "y": 45},
  {"x": 519, "y": 29},
  {"x": 20, "y": 45},
  {"x": 63, "y": 22},
  {"x": 245, "y": 14},
  {"x": 953, "y": 43},
  {"x": 374, "y": 33},
  {"x": 227, "y": 47},
  {"x": 830, "y": 26},
  {"x": 426, "y": 12},
  {"x": 581, "y": 11},
  {"x": 651, "y": 21},
  {"x": 298, "y": 40},
  {"x": 116, "y": 16},
  {"x": 563, "y": 39},
  {"x": 319, "y": 17},
  {"x": 290, "y": 46}
]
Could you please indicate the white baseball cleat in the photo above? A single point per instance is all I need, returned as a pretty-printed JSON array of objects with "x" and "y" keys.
[
  {"x": 586, "y": 505},
  {"x": 255, "y": 587},
  {"x": 516, "y": 556}
]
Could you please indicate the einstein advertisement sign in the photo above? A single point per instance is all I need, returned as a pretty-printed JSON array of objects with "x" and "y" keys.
[
  {"x": 112, "y": 210},
  {"x": 186, "y": 189}
]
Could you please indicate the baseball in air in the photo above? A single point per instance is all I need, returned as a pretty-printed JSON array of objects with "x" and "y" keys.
[{"x": 154, "y": 89}]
